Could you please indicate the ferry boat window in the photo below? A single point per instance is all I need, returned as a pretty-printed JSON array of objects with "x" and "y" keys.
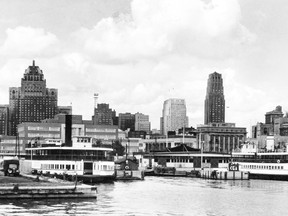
[
  {"x": 105, "y": 167},
  {"x": 68, "y": 166},
  {"x": 281, "y": 167},
  {"x": 56, "y": 166},
  {"x": 269, "y": 167}
]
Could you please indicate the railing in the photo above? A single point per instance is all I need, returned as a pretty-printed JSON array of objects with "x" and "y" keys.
[
  {"x": 259, "y": 160},
  {"x": 71, "y": 157}
]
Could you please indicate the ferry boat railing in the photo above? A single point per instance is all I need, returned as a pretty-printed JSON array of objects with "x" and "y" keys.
[
  {"x": 72, "y": 157},
  {"x": 260, "y": 160}
]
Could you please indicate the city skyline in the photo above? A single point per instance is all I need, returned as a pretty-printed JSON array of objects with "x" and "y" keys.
[{"x": 137, "y": 54}]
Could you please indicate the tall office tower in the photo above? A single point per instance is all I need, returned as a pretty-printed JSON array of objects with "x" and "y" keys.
[
  {"x": 103, "y": 115},
  {"x": 4, "y": 111},
  {"x": 173, "y": 115},
  {"x": 215, "y": 102},
  {"x": 125, "y": 121},
  {"x": 142, "y": 122},
  {"x": 32, "y": 102}
]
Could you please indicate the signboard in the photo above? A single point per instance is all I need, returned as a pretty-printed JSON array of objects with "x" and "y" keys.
[{"x": 233, "y": 167}]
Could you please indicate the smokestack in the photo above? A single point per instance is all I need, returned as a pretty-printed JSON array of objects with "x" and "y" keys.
[{"x": 68, "y": 130}]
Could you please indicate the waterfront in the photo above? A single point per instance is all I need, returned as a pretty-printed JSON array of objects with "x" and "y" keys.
[{"x": 166, "y": 196}]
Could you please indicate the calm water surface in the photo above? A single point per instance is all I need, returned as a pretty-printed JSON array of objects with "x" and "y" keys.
[{"x": 166, "y": 196}]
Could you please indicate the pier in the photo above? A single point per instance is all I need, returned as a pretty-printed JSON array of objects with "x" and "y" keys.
[
  {"x": 31, "y": 187},
  {"x": 224, "y": 175}
]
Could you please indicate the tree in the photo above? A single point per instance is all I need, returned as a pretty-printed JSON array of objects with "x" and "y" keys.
[{"x": 118, "y": 148}]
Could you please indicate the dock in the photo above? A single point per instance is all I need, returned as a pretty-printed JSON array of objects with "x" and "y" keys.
[
  {"x": 32, "y": 187},
  {"x": 224, "y": 175}
]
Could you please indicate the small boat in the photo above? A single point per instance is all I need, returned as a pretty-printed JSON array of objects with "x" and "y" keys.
[{"x": 127, "y": 168}]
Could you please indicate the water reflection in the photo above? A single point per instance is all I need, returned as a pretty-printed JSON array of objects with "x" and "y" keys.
[{"x": 165, "y": 196}]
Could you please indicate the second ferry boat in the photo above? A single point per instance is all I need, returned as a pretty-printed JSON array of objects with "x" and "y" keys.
[{"x": 271, "y": 165}]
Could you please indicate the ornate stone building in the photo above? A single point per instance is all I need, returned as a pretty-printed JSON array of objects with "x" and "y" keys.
[
  {"x": 220, "y": 137},
  {"x": 33, "y": 101}
]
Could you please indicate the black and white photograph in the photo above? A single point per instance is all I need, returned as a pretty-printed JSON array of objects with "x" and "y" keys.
[{"x": 143, "y": 107}]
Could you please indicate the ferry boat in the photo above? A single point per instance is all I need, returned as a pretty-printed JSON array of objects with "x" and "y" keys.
[
  {"x": 84, "y": 160},
  {"x": 182, "y": 160},
  {"x": 272, "y": 165}
]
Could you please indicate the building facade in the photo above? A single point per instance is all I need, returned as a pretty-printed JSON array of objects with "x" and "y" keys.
[
  {"x": 173, "y": 115},
  {"x": 220, "y": 137},
  {"x": 54, "y": 129},
  {"x": 103, "y": 115},
  {"x": 214, "y": 102},
  {"x": 33, "y": 101},
  {"x": 4, "y": 114},
  {"x": 126, "y": 121},
  {"x": 142, "y": 122},
  {"x": 275, "y": 124}
]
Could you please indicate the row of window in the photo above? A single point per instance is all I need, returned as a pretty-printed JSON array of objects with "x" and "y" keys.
[
  {"x": 61, "y": 167},
  {"x": 73, "y": 167},
  {"x": 278, "y": 167}
]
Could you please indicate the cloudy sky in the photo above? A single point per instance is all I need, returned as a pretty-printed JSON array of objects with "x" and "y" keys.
[{"x": 138, "y": 53}]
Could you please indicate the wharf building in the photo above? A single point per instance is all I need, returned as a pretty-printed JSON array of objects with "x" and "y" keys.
[
  {"x": 214, "y": 102},
  {"x": 173, "y": 116},
  {"x": 33, "y": 101}
]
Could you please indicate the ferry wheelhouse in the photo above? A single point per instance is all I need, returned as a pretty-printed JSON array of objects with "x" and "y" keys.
[
  {"x": 272, "y": 165},
  {"x": 84, "y": 159}
]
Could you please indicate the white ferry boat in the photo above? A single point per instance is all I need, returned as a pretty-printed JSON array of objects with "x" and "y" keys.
[
  {"x": 83, "y": 160},
  {"x": 262, "y": 165}
]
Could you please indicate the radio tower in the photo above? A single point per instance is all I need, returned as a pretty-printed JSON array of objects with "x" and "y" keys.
[{"x": 96, "y": 95}]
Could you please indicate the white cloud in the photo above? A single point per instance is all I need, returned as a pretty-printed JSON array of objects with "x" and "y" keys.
[
  {"x": 159, "y": 28},
  {"x": 26, "y": 41}
]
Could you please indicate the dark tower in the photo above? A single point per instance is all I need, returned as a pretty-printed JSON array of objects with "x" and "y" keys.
[
  {"x": 32, "y": 102},
  {"x": 215, "y": 102},
  {"x": 68, "y": 130}
]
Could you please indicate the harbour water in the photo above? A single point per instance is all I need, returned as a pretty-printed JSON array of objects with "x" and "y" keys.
[{"x": 166, "y": 196}]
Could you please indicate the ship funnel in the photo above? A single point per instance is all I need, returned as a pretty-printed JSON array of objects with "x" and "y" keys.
[{"x": 68, "y": 130}]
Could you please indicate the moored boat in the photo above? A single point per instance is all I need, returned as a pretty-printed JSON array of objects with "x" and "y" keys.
[
  {"x": 82, "y": 160},
  {"x": 272, "y": 165},
  {"x": 127, "y": 168}
]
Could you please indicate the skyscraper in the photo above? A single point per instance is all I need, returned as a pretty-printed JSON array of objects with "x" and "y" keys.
[
  {"x": 32, "y": 102},
  {"x": 215, "y": 102},
  {"x": 173, "y": 115}
]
